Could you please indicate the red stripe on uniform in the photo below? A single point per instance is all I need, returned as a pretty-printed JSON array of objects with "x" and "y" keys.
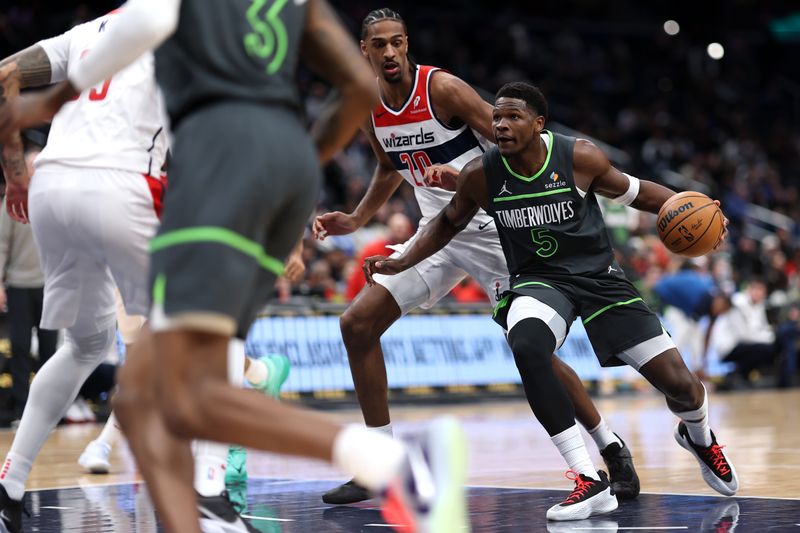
[{"x": 158, "y": 187}]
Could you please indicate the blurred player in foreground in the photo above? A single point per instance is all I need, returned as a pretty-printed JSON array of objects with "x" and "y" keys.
[{"x": 236, "y": 207}]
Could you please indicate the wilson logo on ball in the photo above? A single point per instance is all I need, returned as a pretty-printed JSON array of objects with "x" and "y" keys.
[{"x": 666, "y": 219}]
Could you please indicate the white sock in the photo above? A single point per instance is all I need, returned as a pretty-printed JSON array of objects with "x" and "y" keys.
[
  {"x": 257, "y": 372},
  {"x": 571, "y": 447},
  {"x": 52, "y": 392},
  {"x": 210, "y": 460},
  {"x": 15, "y": 474},
  {"x": 371, "y": 457},
  {"x": 236, "y": 359},
  {"x": 697, "y": 422},
  {"x": 386, "y": 430},
  {"x": 110, "y": 433},
  {"x": 602, "y": 435}
]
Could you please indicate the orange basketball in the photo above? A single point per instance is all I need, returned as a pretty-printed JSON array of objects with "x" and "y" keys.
[{"x": 690, "y": 224}]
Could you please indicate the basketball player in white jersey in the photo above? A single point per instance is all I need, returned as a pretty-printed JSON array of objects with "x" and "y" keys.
[
  {"x": 426, "y": 117},
  {"x": 93, "y": 202}
]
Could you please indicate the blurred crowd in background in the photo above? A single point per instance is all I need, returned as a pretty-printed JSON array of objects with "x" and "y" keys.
[{"x": 652, "y": 92}]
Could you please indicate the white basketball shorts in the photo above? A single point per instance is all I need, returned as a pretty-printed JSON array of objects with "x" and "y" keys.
[
  {"x": 92, "y": 228},
  {"x": 474, "y": 253}
]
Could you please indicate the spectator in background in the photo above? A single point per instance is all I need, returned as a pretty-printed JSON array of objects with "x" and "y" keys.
[
  {"x": 789, "y": 336},
  {"x": 23, "y": 291},
  {"x": 743, "y": 335},
  {"x": 688, "y": 294},
  {"x": 399, "y": 230}
]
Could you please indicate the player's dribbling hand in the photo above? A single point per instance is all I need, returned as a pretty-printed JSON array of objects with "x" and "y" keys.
[
  {"x": 724, "y": 235},
  {"x": 380, "y": 264},
  {"x": 17, "y": 202},
  {"x": 441, "y": 176},
  {"x": 336, "y": 223}
]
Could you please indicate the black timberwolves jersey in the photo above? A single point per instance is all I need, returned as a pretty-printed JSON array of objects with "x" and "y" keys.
[
  {"x": 232, "y": 50},
  {"x": 546, "y": 224}
]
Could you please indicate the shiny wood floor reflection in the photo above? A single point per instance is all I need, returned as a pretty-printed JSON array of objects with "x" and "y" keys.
[{"x": 509, "y": 448}]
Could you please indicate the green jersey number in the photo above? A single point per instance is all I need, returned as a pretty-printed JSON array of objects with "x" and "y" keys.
[
  {"x": 268, "y": 38},
  {"x": 547, "y": 245}
]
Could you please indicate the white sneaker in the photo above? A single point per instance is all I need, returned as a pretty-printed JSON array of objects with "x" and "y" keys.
[
  {"x": 86, "y": 411},
  {"x": 590, "y": 497},
  {"x": 715, "y": 466},
  {"x": 428, "y": 495},
  {"x": 74, "y": 414},
  {"x": 95, "y": 458}
]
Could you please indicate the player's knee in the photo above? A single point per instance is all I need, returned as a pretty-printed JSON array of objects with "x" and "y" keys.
[
  {"x": 678, "y": 383},
  {"x": 90, "y": 349},
  {"x": 183, "y": 412},
  {"x": 356, "y": 326},
  {"x": 532, "y": 343}
]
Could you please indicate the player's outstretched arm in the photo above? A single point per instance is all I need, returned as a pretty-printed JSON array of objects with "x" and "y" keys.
[
  {"x": 385, "y": 180},
  {"x": 331, "y": 53},
  {"x": 470, "y": 194},
  {"x": 594, "y": 171}
]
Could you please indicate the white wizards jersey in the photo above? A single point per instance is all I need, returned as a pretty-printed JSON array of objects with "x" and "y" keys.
[
  {"x": 120, "y": 124},
  {"x": 414, "y": 139}
]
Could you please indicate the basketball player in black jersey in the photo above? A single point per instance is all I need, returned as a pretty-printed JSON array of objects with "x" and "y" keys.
[
  {"x": 237, "y": 205},
  {"x": 375, "y": 309},
  {"x": 541, "y": 189}
]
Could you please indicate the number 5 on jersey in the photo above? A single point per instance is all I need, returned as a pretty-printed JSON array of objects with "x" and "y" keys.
[{"x": 548, "y": 245}]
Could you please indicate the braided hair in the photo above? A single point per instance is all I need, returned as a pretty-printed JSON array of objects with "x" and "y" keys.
[{"x": 378, "y": 15}]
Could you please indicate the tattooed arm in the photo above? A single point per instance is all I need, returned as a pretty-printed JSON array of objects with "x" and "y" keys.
[
  {"x": 143, "y": 25},
  {"x": 331, "y": 53},
  {"x": 28, "y": 68}
]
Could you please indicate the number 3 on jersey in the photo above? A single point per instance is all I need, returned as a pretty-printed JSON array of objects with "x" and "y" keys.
[
  {"x": 548, "y": 245},
  {"x": 417, "y": 163},
  {"x": 96, "y": 94}
]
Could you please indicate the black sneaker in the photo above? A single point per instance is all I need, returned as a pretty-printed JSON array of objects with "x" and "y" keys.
[
  {"x": 623, "y": 476},
  {"x": 590, "y": 497},
  {"x": 217, "y": 514},
  {"x": 717, "y": 470},
  {"x": 350, "y": 492},
  {"x": 11, "y": 512}
]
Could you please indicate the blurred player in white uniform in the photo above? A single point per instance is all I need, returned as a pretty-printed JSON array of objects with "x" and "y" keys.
[{"x": 94, "y": 204}]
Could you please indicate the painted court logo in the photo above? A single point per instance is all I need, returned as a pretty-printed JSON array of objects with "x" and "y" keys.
[{"x": 666, "y": 219}]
